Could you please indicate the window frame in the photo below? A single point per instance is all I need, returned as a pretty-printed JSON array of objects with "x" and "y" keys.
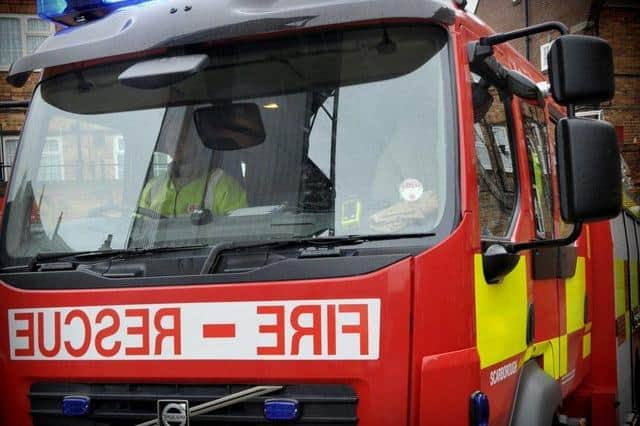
[
  {"x": 544, "y": 51},
  {"x": 595, "y": 114},
  {"x": 24, "y": 32}
]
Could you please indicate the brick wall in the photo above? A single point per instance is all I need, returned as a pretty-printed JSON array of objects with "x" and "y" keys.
[
  {"x": 18, "y": 6},
  {"x": 503, "y": 15},
  {"x": 617, "y": 21},
  {"x": 621, "y": 26},
  {"x": 11, "y": 123}
]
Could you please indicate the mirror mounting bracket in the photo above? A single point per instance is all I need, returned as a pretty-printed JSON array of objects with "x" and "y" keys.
[
  {"x": 523, "y": 32},
  {"x": 483, "y": 48},
  {"x": 536, "y": 244},
  {"x": 479, "y": 52},
  {"x": 499, "y": 258}
]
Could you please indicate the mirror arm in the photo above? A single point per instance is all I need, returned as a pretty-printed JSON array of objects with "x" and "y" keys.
[
  {"x": 523, "y": 32},
  {"x": 480, "y": 52},
  {"x": 484, "y": 45},
  {"x": 517, "y": 247}
]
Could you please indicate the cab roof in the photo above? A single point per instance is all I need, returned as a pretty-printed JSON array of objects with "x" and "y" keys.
[{"x": 171, "y": 23}]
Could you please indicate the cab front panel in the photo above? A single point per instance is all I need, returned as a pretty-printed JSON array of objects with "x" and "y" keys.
[{"x": 352, "y": 333}]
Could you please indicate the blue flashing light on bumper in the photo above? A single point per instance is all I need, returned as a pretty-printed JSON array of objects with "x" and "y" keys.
[
  {"x": 75, "y": 406},
  {"x": 277, "y": 409},
  {"x": 73, "y": 12}
]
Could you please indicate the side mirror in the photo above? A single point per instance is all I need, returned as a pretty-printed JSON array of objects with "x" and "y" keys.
[
  {"x": 581, "y": 70},
  {"x": 589, "y": 175},
  {"x": 230, "y": 127}
]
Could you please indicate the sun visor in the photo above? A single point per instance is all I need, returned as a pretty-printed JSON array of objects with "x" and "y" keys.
[{"x": 168, "y": 23}]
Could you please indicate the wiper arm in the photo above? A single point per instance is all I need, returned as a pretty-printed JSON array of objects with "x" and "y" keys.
[
  {"x": 135, "y": 251},
  {"x": 217, "y": 250},
  {"x": 91, "y": 255}
]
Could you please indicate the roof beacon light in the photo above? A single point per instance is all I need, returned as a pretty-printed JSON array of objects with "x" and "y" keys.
[{"x": 74, "y": 12}]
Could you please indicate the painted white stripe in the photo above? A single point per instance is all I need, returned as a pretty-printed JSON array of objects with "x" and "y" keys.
[{"x": 344, "y": 329}]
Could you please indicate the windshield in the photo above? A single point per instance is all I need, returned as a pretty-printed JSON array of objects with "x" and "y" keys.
[{"x": 328, "y": 134}]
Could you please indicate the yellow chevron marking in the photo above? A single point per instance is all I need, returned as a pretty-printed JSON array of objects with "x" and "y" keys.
[
  {"x": 564, "y": 354},
  {"x": 586, "y": 345},
  {"x": 548, "y": 350},
  {"x": 633, "y": 269},
  {"x": 575, "y": 288},
  {"x": 620, "y": 290},
  {"x": 501, "y": 314}
]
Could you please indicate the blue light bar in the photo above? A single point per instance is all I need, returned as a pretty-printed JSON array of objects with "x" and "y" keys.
[
  {"x": 73, "y": 12},
  {"x": 75, "y": 406},
  {"x": 281, "y": 409},
  {"x": 479, "y": 409}
]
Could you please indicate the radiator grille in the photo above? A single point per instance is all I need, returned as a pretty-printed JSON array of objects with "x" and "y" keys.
[{"x": 127, "y": 404}]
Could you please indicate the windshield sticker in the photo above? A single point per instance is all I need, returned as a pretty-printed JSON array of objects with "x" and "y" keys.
[
  {"x": 411, "y": 190},
  {"x": 288, "y": 330}
]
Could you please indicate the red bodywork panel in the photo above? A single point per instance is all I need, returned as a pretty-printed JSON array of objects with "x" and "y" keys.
[
  {"x": 381, "y": 385},
  {"x": 428, "y": 365}
]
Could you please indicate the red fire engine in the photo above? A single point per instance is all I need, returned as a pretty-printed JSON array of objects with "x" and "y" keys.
[{"x": 363, "y": 212}]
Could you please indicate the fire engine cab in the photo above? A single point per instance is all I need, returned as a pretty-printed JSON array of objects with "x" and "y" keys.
[{"x": 365, "y": 212}]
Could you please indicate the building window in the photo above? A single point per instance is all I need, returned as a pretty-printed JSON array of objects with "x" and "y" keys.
[
  {"x": 9, "y": 146},
  {"x": 21, "y": 35},
  {"x": 52, "y": 163},
  {"x": 118, "y": 156},
  {"x": 596, "y": 114},
  {"x": 544, "y": 51}
]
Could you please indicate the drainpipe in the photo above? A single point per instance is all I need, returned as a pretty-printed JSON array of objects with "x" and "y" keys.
[
  {"x": 527, "y": 40},
  {"x": 2, "y": 153}
]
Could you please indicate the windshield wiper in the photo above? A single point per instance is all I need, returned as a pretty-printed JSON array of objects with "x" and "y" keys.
[
  {"x": 304, "y": 241},
  {"x": 99, "y": 254}
]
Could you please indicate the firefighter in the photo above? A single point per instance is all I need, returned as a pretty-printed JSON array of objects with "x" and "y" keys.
[{"x": 191, "y": 183}]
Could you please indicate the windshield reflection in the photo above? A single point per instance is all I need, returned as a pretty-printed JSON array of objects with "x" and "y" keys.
[{"x": 359, "y": 149}]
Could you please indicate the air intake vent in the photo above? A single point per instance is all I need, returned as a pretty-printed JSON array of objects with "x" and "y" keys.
[{"x": 128, "y": 404}]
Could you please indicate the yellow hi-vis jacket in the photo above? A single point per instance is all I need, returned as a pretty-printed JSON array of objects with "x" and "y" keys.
[{"x": 223, "y": 196}]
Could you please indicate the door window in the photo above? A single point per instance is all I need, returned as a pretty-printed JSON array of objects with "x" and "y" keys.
[
  {"x": 535, "y": 130},
  {"x": 495, "y": 161}
]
